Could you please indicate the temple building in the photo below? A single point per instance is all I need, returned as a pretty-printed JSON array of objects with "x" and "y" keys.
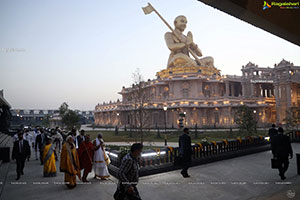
[
  {"x": 191, "y": 89},
  {"x": 208, "y": 100}
]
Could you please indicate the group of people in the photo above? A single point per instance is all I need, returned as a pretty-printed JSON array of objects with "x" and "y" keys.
[{"x": 75, "y": 152}]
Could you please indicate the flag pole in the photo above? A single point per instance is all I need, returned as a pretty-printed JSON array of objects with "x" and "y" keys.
[{"x": 168, "y": 25}]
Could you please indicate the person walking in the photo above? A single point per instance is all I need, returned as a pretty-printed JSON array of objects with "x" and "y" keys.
[
  {"x": 185, "y": 152},
  {"x": 81, "y": 137},
  {"x": 21, "y": 152},
  {"x": 282, "y": 149},
  {"x": 272, "y": 131},
  {"x": 85, "y": 154},
  {"x": 128, "y": 174},
  {"x": 40, "y": 141},
  {"x": 69, "y": 162},
  {"x": 36, "y": 132},
  {"x": 57, "y": 141},
  {"x": 49, "y": 158},
  {"x": 101, "y": 160}
]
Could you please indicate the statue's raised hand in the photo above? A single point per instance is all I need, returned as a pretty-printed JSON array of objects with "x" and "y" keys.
[{"x": 189, "y": 38}]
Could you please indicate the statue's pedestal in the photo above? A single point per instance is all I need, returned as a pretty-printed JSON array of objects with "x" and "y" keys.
[{"x": 179, "y": 71}]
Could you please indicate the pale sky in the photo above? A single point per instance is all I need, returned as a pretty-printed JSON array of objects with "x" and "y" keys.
[{"x": 83, "y": 52}]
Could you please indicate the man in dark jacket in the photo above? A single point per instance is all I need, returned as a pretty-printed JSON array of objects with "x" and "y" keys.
[
  {"x": 185, "y": 152},
  {"x": 39, "y": 143},
  {"x": 80, "y": 138},
  {"x": 272, "y": 131},
  {"x": 281, "y": 149},
  {"x": 21, "y": 151}
]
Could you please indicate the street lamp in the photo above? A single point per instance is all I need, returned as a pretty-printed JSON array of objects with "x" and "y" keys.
[
  {"x": 117, "y": 129},
  {"x": 118, "y": 118},
  {"x": 165, "y": 109},
  {"x": 255, "y": 118}
]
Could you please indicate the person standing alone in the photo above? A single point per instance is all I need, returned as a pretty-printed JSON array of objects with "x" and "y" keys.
[
  {"x": 281, "y": 149},
  {"x": 185, "y": 152}
]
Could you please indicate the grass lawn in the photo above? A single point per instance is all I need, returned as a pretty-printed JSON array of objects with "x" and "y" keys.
[{"x": 109, "y": 136}]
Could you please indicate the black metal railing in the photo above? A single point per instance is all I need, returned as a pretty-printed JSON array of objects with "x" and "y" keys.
[{"x": 164, "y": 157}]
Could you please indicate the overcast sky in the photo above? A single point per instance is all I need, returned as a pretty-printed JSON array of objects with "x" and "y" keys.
[{"x": 83, "y": 52}]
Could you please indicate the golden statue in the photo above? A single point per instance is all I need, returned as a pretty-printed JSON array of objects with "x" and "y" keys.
[{"x": 182, "y": 46}]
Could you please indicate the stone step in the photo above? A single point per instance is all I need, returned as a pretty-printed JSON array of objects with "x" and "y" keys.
[
  {"x": 2, "y": 136},
  {"x": 4, "y": 141}
]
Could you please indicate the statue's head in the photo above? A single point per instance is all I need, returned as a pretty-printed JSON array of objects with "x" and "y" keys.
[{"x": 180, "y": 22}]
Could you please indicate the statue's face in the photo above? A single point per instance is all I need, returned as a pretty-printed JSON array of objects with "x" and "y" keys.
[{"x": 180, "y": 23}]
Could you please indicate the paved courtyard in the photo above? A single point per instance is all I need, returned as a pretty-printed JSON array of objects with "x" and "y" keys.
[{"x": 247, "y": 177}]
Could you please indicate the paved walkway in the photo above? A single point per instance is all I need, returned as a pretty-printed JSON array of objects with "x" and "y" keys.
[{"x": 242, "y": 178}]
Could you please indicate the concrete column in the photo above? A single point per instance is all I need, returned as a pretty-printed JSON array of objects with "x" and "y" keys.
[
  {"x": 227, "y": 88},
  {"x": 251, "y": 89},
  {"x": 288, "y": 95},
  {"x": 243, "y": 90},
  {"x": 200, "y": 89},
  {"x": 218, "y": 89},
  {"x": 232, "y": 89},
  {"x": 277, "y": 100}
]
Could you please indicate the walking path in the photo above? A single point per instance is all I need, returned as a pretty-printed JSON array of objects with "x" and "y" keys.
[{"x": 242, "y": 178}]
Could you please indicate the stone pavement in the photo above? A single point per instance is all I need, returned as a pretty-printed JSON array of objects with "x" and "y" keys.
[{"x": 247, "y": 177}]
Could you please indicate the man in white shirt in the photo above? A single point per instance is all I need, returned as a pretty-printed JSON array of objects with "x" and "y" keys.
[{"x": 36, "y": 132}]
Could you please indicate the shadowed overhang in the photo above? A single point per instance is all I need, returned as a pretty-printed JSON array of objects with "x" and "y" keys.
[{"x": 284, "y": 23}]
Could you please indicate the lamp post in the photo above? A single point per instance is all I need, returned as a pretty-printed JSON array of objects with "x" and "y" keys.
[
  {"x": 254, "y": 112},
  {"x": 117, "y": 128},
  {"x": 165, "y": 109},
  {"x": 118, "y": 115}
]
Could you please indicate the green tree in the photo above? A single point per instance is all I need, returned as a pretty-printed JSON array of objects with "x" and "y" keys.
[
  {"x": 46, "y": 121},
  {"x": 70, "y": 118},
  {"x": 64, "y": 107},
  {"x": 292, "y": 119},
  {"x": 245, "y": 120}
]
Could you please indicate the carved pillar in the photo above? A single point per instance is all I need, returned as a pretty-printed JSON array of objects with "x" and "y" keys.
[
  {"x": 288, "y": 95},
  {"x": 243, "y": 89},
  {"x": 251, "y": 89},
  {"x": 218, "y": 89},
  {"x": 277, "y": 100},
  {"x": 200, "y": 88},
  {"x": 232, "y": 89},
  {"x": 227, "y": 88}
]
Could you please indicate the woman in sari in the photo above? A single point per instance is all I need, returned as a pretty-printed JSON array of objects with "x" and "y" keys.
[
  {"x": 49, "y": 157},
  {"x": 69, "y": 162},
  {"x": 86, "y": 153},
  {"x": 101, "y": 160}
]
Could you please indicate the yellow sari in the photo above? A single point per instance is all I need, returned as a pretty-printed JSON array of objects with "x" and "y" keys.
[
  {"x": 49, "y": 161},
  {"x": 69, "y": 164}
]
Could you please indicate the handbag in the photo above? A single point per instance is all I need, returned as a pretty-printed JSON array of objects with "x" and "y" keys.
[{"x": 274, "y": 163}]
